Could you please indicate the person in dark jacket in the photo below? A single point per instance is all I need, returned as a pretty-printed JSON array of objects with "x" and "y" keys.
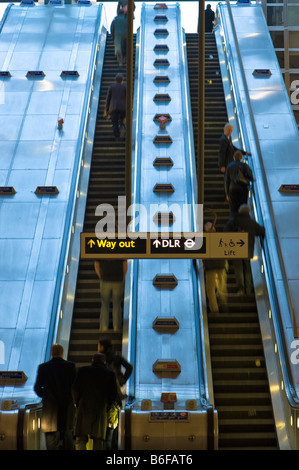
[
  {"x": 115, "y": 106},
  {"x": 54, "y": 385},
  {"x": 242, "y": 222},
  {"x": 226, "y": 148},
  {"x": 118, "y": 31},
  {"x": 209, "y": 19},
  {"x": 237, "y": 180},
  {"x": 94, "y": 392},
  {"x": 122, "y": 369},
  {"x": 115, "y": 360},
  {"x": 216, "y": 277}
]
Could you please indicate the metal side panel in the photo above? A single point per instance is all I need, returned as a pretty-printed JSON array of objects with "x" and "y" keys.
[
  {"x": 34, "y": 229},
  {"x": 169, "y": 430}
]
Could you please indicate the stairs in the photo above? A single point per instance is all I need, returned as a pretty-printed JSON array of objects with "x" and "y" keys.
[
  {"x": 107, "y": 182},
  {"x": 241, "y": 388}
]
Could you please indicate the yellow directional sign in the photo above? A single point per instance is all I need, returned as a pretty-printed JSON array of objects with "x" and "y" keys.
[
  {"x": 146, "y": 246},
  {"x": 228, "y": 245}
]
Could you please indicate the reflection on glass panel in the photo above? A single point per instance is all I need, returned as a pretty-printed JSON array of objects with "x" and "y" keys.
[
  {"x": 277, "y": 39},
  {"x": 274, "y": 1},
  {"x": 294, "y": 60},
  {"x": 280, "y": 58},
  {"x": 294, "y": 39},
  {"x": 275, "y": 15},
  {"x": 293, "y": 15}
]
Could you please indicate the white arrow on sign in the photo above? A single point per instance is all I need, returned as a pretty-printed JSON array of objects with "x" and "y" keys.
[{"x": 156, "y": 243}]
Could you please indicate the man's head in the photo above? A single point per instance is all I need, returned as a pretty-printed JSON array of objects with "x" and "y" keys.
[
  {"x": 99, "y": 358},
  {"x": 119, "y": 78},
  {"x": 244, "y": 209},
  {"x": 228, "y": 129},
  {"x": 104, "y": 344},
  {"x": 209, "y": 227},
  {"x": 57, "y": 350},
  {"x": 238, "y": 156}
]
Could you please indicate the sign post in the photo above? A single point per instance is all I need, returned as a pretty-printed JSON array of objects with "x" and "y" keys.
[{"x": 175, "y": 246}]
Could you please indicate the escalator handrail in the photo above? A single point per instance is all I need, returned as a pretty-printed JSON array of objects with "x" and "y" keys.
[{"x": 281, "y": 340}]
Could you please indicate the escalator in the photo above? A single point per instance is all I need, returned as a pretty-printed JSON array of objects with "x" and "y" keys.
[
  {"x": 241, "y": 388},
  {"x": 106, "y": 183}
]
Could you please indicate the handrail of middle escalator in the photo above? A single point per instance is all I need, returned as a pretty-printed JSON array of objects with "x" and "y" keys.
[
  {"x": 289, "y": 386},
  {"x": 67, "y": 232}
]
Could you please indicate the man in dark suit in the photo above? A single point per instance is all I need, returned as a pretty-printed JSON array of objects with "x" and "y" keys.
[
  {"x": 94, "y": 393},
  {"x": 226, "y": 148},
  {"x": 115, "y": 106},
  {"x": 54, "y": 385},
  {"x": 209, "y": 19}
]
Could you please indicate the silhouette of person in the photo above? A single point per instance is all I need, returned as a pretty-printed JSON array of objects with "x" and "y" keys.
[
  {"x": 209, "y": 19},
  {"x": 53, "y": 384},
  {"x": 242, "y": 222},
  {"x": 115, "y": 106},
  {"x": 94, "y": 392}
]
